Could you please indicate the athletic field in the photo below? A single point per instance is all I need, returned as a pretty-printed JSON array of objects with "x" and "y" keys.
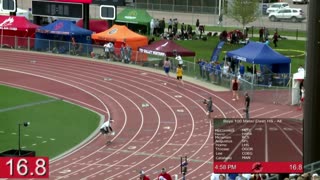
[{"x": 55, "y": 125}]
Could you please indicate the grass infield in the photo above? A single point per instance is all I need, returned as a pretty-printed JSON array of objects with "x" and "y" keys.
[{"x": 55, "y": 126}]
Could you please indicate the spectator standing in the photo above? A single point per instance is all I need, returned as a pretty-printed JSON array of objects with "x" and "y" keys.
[
  {"x": 247, "y": 104},
  {"x": 225, "y": 69},
  {"x": 143, "y": 176},
  {"x": 203, "y": 70},
  {"x": 275, "y": 39},
  {"x": 300, "y": 69},
  {"x": 261, "y": 33},
  {"x": 162, "y": 25},
  {"x": 218, "y": 72},
  {"x": 106, "y": 51},
  {"x": 197, "y": 24},
  {"x": 74, "y": 45},
  {"x": 175, "y": 26},
  {"x": 211, "y": 73},
  {"x": 189, "y": 32},
  {"x": 128, "y": 52},
  {"x": 179, "y": 58},
  {"x": 241, "y": 70},
  {"x": 208, "y": 103},
  {"x": 208, "y": 69},
  {"x": 183, "y": 28},
  {"x": 164, "y": 175},
  {"x": 111, "y": 51},
  {"x": 122, "y": 52},
  {"x": 201, "y": 62},
  {"x": 170, "y": 23},
  {"x": 152, "y": 26}
]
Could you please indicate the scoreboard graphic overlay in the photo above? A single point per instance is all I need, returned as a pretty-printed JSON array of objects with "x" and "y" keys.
[{"x": 262, "y": 145}]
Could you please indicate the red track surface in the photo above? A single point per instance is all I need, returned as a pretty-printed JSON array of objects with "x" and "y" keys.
[{"x": 147, "y": 138}]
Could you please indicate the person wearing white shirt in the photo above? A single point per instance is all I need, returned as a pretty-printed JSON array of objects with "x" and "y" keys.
[
  {"x": 180, "y": 61},
  {"x": 226, "y": 69},
  {"x": 152, "y": 26},
  {"x": 300, "y": 69},
  {"x": 106, "y": 127},
  {"x": 217, "y": 176},
  {"x": 106, "y": 50}
]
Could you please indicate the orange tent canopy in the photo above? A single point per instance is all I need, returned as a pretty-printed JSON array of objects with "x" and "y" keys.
[{"x": 121, "y": 34}]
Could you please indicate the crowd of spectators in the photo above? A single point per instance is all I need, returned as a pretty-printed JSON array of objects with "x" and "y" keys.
[{"x": 175, "y": 30}]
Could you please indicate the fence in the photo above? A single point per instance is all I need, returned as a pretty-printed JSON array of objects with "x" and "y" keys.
[{"x": 277, "y": 89}]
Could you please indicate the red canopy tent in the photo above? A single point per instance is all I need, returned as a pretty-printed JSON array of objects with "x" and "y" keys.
[
  {"x": 15, "y": 31},
  {"x": 166, "y": 48},
  {"x": 95, "y": 25}
]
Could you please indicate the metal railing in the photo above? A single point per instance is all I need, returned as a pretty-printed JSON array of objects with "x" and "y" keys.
[{"x": 178, "y": 8}]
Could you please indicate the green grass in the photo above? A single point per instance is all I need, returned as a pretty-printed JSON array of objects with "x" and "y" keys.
[
  {"x": 292, "y": 48},
  {"x": 54, "y": 127},
  {"x": 20, "y": 97}
]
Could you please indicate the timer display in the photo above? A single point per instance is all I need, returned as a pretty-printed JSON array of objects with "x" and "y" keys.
[
  {"x": 24, "y": 167},
  {"x": 57, "y": 9}
]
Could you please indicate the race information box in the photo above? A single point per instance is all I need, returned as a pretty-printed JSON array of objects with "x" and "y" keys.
[{"x": 258, "y": 146}]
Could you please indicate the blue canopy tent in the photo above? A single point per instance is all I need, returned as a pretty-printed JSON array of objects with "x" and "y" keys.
[
  {"x": 61, "y": 32},
  {"x": 260, "y": 53}
]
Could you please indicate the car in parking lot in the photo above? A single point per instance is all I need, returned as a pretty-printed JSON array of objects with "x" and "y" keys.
[
  {"x": 300, "y": 1},
  {"x": 288, "y": 14},
  {"x": 277, "y": 6}
]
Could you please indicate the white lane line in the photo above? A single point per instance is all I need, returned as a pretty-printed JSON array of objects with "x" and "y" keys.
[
  {"x": 267, "y": 112},
  {"x": 291, "y": 141},
  {"x": 266, "y": 147}
]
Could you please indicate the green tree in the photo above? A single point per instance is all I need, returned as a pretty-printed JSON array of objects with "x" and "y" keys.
[{"x": 243, "y": 11}]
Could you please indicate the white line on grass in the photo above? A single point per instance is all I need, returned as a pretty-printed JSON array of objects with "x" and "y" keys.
[{"x": 28, "y": 105}]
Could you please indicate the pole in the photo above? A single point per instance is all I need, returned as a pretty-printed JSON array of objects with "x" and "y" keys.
[
  {"x": 19, "y": 142},
  {"x": 311, "y": 113},
  {"x": 86, "y": 14},
  {"x": 181, "y": 165},
  {"x": 219, "y": 8},
  {"x": 219, "y": 17},
  {"x": 1, "y": 36}
]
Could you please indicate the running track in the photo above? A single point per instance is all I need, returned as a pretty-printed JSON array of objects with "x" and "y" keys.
[{"x": 148, "y": 138}]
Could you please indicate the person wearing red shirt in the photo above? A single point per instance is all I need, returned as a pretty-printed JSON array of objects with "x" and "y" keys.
[
  {"x": 143, "y": 176},
  {"x": 164, "y": 175}
]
